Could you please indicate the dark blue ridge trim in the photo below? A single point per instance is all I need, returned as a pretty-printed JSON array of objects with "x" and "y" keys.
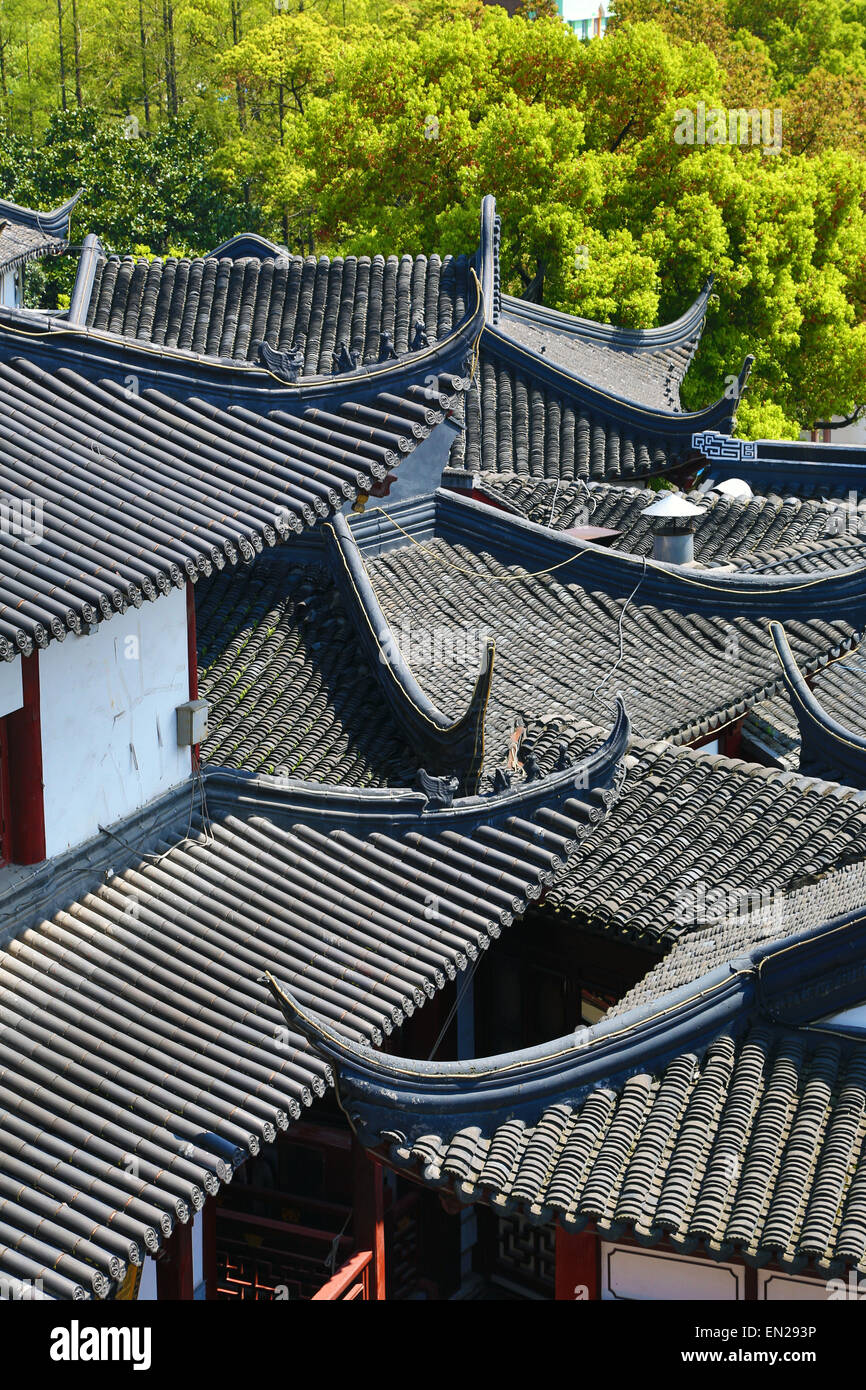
[
  {"x": 671, "y": 430},
  {"x": 54, "y": 223},
  {"x": 791, "y": 982},
  {"x": 827, "y": 748},
  {"x": 450, "y": 746},
  {"x": 838, "y": 595},
  {"x": 782, "y": 466},
  {"x": 286, "y": 800},
  {"x": 677, "y": 333}
]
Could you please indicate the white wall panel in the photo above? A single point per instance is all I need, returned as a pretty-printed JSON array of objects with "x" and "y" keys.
[
  {"x": 109, "y": 734},
  {"x": 650, "y": 1275},
  {"x": 11, "y": 695},
  {"x": 787, "y": 1288}
]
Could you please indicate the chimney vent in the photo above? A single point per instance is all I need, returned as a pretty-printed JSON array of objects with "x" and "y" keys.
[{"x": 674, "y": 519}]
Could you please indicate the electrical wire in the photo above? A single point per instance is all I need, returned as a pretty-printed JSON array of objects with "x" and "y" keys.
[{"x": 606, "y": 678}]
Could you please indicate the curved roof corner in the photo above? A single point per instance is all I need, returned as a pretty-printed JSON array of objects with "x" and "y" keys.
[{"x": 827, "y": 748}]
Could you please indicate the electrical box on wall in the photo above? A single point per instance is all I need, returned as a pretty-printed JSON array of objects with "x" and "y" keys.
[{"x": 191, "y": 722}]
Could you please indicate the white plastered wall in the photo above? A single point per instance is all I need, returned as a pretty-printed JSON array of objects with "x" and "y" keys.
[
  {"x": 109, "y": 732},
  {"x": 9, "y": 289}
]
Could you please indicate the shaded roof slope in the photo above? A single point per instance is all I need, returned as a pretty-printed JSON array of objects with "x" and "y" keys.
[
  {"x": 527, "y": 417},
  {"x": 120, "y": 495},
  {"x": 289, "y": 686}
]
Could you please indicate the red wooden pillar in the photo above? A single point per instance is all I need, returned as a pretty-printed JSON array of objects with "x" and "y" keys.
[
  {"x": 174, "y": 1278},
  {"x": 191, "y": 641},
  {"x": 577, "y": 1265},
  {"x": 5, "y": 826},
  {"x": 732, "y": 739},
  {"x": 24, "y": 741},
  {"x": 369, "y": 1214},
  {"x": 192, "y": 660},
  {"x": 208, "y": 1248}
]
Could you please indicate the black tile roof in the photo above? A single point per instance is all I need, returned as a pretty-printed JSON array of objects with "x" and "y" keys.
[
  {"x": 141, "y": 1059},
  {"x": 734, "y": 919},
  {"x": 699, "y": 839},
  {"x": 650, "y": 378},
  {"x": 841, "y": 689},
  {"x": 752, "y": 1149},
  {"x": 289, "y": 685},
  {"x": 716, "y": 1118},
  {"x": 225, "y": 308},
  {"x": 762, "y": 535},
  {"x": 526, "y": 417},
  {"x": 294, "y": 688},
  {"x": 143, "y": 491},
  {"x": 684, "y": 674},
  {"x": 646, "y": 365}
]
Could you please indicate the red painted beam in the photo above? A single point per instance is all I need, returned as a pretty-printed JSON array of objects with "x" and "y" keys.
[
  {"x": 192, "y": 660},
  {"x": 578, "y": 1270},
  {"x": 5, "y": 826},
  {"x": 369, "y": 1218},
  {"x": 174, "y": 1277},
  {"x": 732, "y": 739},
  {"x": 192, "y": 653},
  {"x": 26, "y": 801}
]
